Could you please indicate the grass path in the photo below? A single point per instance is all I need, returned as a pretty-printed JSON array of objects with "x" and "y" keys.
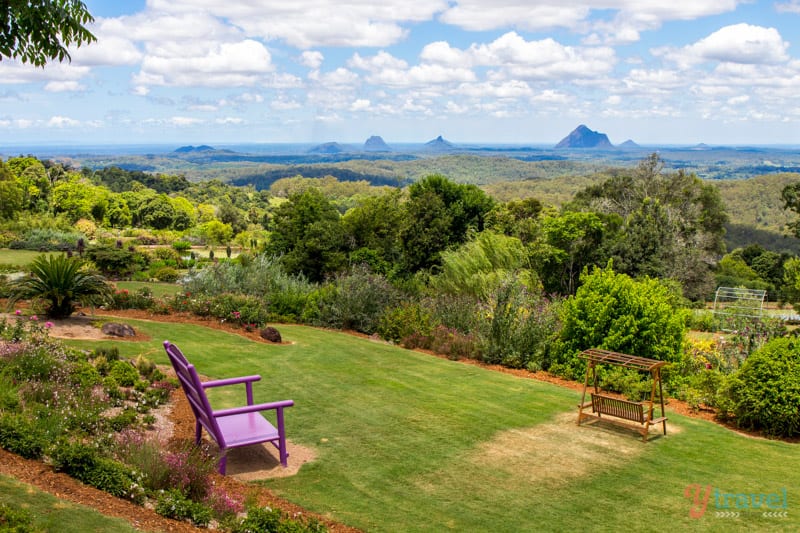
[{"x": 409, "y": 442}]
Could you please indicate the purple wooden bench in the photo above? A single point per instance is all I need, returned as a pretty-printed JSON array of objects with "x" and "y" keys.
[{"x": 230, "y": 428}]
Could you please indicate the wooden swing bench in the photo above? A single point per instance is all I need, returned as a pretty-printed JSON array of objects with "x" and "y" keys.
[{"x": 616, "y": 410}]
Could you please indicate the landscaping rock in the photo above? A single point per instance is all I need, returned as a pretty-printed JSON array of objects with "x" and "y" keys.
[
  {"x": 270, "y": 334},
  {"x": 118, "y": 330}
]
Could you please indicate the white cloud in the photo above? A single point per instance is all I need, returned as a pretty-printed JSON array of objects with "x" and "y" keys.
[
  {"x": 229, "y": 121},
  {"x": 628, "y": 17},
  {"x": 184, "y": 121},
  {"x": 312, "y": 59},
  {"x": 740, "y": 43},
  {"x": 13, "y": 72},
  {"x": 62, "y": 122},
  {"x": 552, "y": 97},
  {"x": 306, "y": 24},
  {"x": 222, "y": 65},
  {"x": 792, "y": 6},
  {"x": 113, "y": 46},
  {"x": 64, "y": 86},
  {"x": 507, "y": 89},
  {"x": 249, "y": 98},
  {"x": 282, "y": 104},
  {"x": 482, "y": 15},
  {"x": 362, "y": 104},
  {"x": 517, "y": 58}
]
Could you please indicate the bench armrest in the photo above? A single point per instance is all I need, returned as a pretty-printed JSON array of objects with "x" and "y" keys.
[
  {"x": 247, "y": 380},
  {"x": 254, "y": 408},
  {"x": 230, "y": 381}
]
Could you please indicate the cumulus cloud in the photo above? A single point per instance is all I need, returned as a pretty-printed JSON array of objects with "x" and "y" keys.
[
  {"x": 113, "y": 46},
  {"x": 312, "y": 59},
  {"x": 740, "y": 43},
  {"x": 221, "y": 65},
  {"x": 62, "y": 122},
  {"x": 482, "y": 15},
  {"x": 13, "y": 72},
  {"x": 542, "y": 59},
  {"x": 306, "y": 24}
]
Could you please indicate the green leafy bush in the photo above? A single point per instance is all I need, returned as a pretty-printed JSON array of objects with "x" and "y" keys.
[
  {"x": 765, "y": 392},
  {"x": 123, "y": 420},
  {"x": 402, "y": 322},
  {"x": 167, "y": 274},
  {"x": 124, "y": 373},
  {"x": 20, "y": 435},
  {"x": 182, "y": 246},
  {"x": 139, "y": 299},
  {"x": 84, "y": 463},
  {"x": 615, "y": 312},
  {"x": 267, "y": 520},
  {"x": 117, "y": 261},
  {"x": 355, "y": 301},
  {"x": 264, "y": 277},
  {"x": 174, "y": 504},
  {"x": 47, "y": 240},
  {"x": 520, "y": 328}
]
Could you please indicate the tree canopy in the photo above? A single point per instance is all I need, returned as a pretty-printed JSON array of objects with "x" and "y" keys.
[{"x": 38, "y": 31}]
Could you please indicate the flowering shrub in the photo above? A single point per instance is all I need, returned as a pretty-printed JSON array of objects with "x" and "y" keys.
[
  {"x": 223, "y": 504},
  {"x": 190, "y": 469},
  {"x": 139, "y": 299}
]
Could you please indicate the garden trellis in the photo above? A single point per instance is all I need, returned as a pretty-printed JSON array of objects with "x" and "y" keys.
[{"x": 733, "y": 303}]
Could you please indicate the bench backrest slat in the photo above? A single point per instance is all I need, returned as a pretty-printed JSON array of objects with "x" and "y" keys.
[
  {"x": 620, "y": 408},
  {"x": 195, "y": 393}
]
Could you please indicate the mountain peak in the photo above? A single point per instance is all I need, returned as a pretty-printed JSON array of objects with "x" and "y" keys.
[
  {"x": 583, "y": 137},
  {"x": 438, "y": 143},
  {"x": 376, "y": 144}
]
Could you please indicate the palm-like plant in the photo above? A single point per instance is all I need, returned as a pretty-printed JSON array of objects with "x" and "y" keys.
[{"x": 61, "y": 282}]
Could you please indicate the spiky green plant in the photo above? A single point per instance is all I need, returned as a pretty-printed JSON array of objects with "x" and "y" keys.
[{"x": 61, "y": 282}]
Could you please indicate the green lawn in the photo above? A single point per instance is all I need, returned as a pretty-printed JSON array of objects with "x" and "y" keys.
[
  {"x": 410, "y": 442},
  {"x": 20, "y": 258},
  {"x": 159, "y": 289},
  {"x": 52, "y": 514}
]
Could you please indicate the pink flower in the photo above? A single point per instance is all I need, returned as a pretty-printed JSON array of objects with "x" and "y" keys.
[
  {"x": 34, "y": 318},
  {"x": 17, "y": 312},
  {"x": 48, "y": 325},
  {"x": 708, "y": 366}
]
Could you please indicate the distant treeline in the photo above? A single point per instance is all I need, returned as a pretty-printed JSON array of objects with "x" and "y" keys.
[{"x": 265, "y": 178}]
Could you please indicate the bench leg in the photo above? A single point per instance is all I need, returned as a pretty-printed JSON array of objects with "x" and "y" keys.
[
  {"x": 284, "y": 454},
  {"x": 223, "y": 462},
  {"x": 198, "y": 432}
]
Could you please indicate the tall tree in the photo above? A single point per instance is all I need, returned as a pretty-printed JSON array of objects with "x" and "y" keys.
[
  {"x": 440, "y": 213},
  {"x": 307, "y": 233},
  {"x": 38, "y": 31},
  {"x": 684, "y": 215}
]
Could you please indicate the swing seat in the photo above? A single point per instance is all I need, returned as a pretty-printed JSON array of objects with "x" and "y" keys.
[{"x": 623, "y": 410}]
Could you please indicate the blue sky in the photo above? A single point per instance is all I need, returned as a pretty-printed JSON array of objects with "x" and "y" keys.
[{"x": 502, "y": 71}]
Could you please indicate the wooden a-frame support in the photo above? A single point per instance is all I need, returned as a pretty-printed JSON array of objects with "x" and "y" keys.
[{"x": 619, "y": 411}]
